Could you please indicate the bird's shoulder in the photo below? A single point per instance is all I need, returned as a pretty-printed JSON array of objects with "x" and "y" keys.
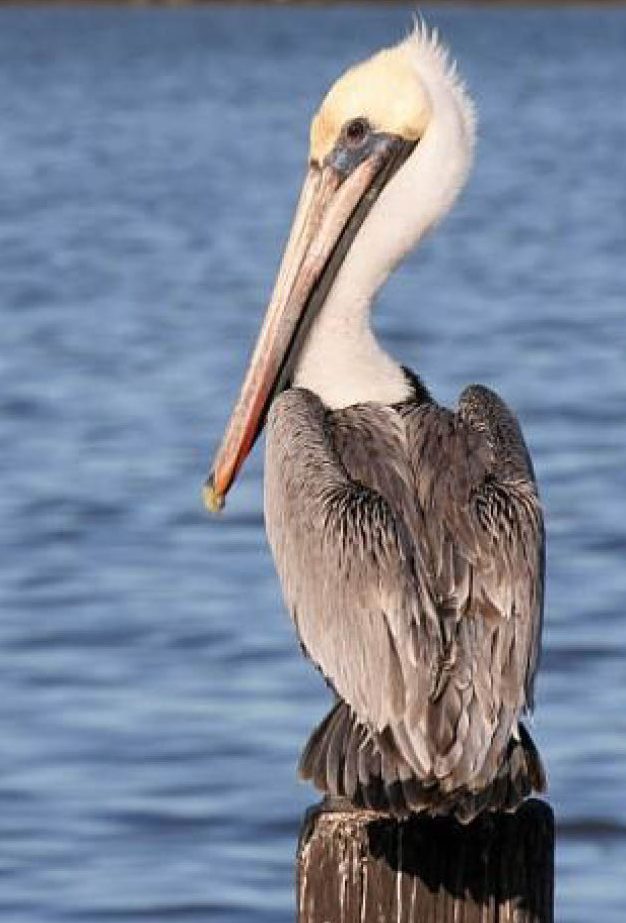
[{"x": 479, "y": 443}]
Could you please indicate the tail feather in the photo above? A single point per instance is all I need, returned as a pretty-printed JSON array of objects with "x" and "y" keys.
[
  {"x": 315, "y": 751},
  {"x": 351, "y": 768},
  {"x": 336, "y": 739},
  {"x": 344, "y": 759}
]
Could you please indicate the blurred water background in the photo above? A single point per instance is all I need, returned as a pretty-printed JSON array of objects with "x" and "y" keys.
[{"x": 153, "y": 700}]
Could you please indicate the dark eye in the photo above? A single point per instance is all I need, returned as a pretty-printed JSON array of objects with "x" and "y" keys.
[{"x": 356, "y": 130}]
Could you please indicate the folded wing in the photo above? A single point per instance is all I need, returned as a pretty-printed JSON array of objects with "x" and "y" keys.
[{"x": 409, "y": 543}]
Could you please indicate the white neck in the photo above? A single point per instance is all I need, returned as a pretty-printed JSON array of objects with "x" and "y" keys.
[{"x": 341, "y": 360}]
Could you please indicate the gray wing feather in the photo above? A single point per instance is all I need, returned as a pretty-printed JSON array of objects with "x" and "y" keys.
[
  {"x": 347, "y": 567},
  {"x": 476, "y": 487},
  {"x": 409, "y": 545}
]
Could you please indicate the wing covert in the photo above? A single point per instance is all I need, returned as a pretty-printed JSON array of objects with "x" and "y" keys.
[
  {"x": 476, "y": 488},
  {"x": 347, "y": 566},
  {"x": 409, "y": 543}
]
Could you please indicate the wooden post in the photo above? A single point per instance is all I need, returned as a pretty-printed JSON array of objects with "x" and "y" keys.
[{"x": 360, "y": 867}]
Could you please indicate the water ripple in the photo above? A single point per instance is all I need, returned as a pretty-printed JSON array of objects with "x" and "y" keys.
[{"x": 153, "y": 696}]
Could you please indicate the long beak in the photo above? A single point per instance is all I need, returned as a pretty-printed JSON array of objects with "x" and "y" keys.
[{"x": 331, "y": 208}]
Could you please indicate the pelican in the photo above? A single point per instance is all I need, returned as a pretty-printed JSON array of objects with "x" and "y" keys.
[{"x": 408, "y": 537}]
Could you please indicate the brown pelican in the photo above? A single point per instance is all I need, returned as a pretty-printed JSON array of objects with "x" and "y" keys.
[{"x": 408, "y": 537}]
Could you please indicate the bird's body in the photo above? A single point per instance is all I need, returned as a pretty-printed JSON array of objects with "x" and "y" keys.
[{"x": 408, "y": 538}]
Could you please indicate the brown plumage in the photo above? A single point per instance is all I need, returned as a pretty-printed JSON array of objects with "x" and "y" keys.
[
  {"x": 409, "y": 543},
  {"x": 408, "y": 538}
]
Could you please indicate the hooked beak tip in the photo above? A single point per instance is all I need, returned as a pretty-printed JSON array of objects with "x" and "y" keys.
[{"x": 213, "y": 500}]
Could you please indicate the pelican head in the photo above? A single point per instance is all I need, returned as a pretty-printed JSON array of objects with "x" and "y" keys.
[
  {"x": 390, "y": 147},
  {"x": 380, "y": 96}
]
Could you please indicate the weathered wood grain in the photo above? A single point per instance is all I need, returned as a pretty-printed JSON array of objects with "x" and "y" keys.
[{"x": 360, "y": 867}]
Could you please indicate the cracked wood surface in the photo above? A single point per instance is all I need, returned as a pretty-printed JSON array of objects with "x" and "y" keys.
[{"x": 361, "y": 867}]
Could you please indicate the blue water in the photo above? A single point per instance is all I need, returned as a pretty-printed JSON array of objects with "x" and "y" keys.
[{"x": 153, "y": 700}]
